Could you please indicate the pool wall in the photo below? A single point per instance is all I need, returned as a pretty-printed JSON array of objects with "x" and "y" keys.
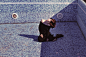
[
  {"x": 34, "y": 11},
  {"x": 81, "y": 16}
]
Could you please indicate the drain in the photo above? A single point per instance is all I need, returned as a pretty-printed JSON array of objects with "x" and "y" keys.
[
  {"x": 59, "y": 15},
  {"x": 14, "y": 15}
]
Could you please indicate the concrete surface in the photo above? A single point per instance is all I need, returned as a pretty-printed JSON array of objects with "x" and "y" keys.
[{"x": 20, "y": 40}]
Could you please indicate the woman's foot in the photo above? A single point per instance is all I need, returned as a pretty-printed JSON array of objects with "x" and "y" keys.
[{"x": 59, "y": 35}]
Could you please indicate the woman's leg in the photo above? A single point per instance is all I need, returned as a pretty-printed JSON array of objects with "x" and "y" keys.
[
  {"x": 43, "y": 32},
  {"x": 50, "y": 37}
]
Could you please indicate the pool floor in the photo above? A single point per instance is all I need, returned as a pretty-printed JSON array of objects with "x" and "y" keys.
[{"x": 20, "y": 40}]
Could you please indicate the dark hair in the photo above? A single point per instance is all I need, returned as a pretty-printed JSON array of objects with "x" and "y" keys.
[{"x": 52, "y": 23}]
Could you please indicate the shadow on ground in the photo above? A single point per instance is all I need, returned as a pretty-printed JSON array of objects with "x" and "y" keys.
[{"x": 30, "y": 36}]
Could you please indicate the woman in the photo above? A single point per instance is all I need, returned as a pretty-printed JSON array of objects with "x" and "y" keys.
[{"x": 44, "y": 28}]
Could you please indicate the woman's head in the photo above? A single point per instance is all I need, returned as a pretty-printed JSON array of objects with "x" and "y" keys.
[
  {"x": 52, "y": 23},
  {"x": 49, "y": 22}
]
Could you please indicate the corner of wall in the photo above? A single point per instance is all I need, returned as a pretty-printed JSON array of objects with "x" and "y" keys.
[{"x": 81, "y": 17}]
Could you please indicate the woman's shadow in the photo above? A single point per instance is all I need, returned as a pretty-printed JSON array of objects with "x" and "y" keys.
[{"x": 30, "y": 36}]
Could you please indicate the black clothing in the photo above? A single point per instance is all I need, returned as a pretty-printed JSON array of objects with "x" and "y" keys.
[{"x": 44, "y": 30}]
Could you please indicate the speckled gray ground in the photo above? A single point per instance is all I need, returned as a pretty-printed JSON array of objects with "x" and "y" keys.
[{"x": 20, "y": 40}]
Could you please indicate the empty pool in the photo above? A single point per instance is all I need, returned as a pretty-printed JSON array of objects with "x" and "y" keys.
[{"x": 19, "y": 21}]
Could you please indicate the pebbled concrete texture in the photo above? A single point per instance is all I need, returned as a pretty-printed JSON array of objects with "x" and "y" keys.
[
  {"x": 36, "y": 0},
  {"x": 18, "y": 37},
  {"x": 20, "y": 40},
  {"x": 14, "y": 44},
  {"x": 34, "y": 12},
  {"x": 71, "y": 45}
]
